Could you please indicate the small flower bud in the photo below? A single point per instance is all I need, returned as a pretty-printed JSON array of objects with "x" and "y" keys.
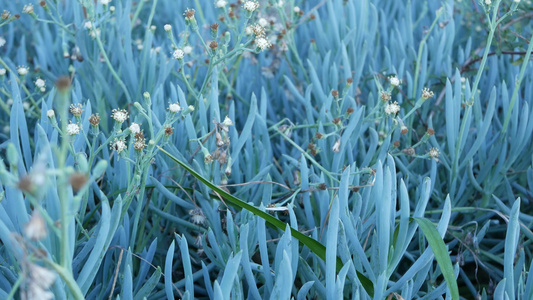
[{"x": 50, "y": 113}]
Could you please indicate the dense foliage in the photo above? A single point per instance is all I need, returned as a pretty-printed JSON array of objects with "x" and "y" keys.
[{"x": 266, "y": 149}]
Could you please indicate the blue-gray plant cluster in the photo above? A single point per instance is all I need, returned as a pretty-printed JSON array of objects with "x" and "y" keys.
[{"x": 266, "y": 149}]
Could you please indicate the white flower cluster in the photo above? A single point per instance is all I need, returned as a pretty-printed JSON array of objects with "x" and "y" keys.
[
  {"x": 392, "y": 109},
  {"x": 118, "y": 145},
  {"x": 220, "y": 3},
  {"x": 174, "y": 108},
  {"x": 119, "y": 115},
  {"x": 39, "y": 281},
  {"x": 250, "y": 6},
  {"x": 178, "y": 54},
  {"x": 73, "y": 129}
]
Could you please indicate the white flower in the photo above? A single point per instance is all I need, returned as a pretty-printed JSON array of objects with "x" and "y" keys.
[
  {"x": 135, "y": 128},
  {"x": 296, "y": 9},
  {"x": 3, "y": 72},
  {"x": 178, "y": 54},
  {"x": 258, "y": 30},
  {"x": 2, "y": 42},
  {"x": 22, "y": 71},
  {"x": 73, "y": 129},
  {"x": 488, "y": 2},
  {"x": 227, "y": 121},
  {"x": 197, "y": 216},
  {"x": 119, "y": 115},
  {"x": 88, "y": 25},
  {"x": 105, "y": 2},
  {"x": 35, "y": 229},
  {"x": 394, "y": 81},
  {"x": 249, "y": 29},
  {"x": 220, "y": 3},
  {"x": 9, "y": 102},
  {"x": 76, "y": 109},
  {"x": 516, "y": 1},
  {"x": 40, "y": 83},
  {"x": 50, "y": 113},
  {"x": 168, "y": 27},
  {"x": 426, "y": 93},
  {"x": 174, "y": 108},
  {"x": 43, "y": 89},
  {"x": 187, "y": 49},
  {"x": 118, "y": 145},
  {"x": 250, "y": 6},
  {"x": 262, "y": 43},
  {"x": 337, "y": 146},
  {"x": 26, "y": 105},
  {"x": 28, "y": 9},
  {"x": 111, "y": 8},
  {"x": 263, "y": 22},
  {"x": 392, "y": 108},
  {"x": 42, "y": 277},
  {"x": 281, "y": 3},
  {"x": 434, "y": 152}
]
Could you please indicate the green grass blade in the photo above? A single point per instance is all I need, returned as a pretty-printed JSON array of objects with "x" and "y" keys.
[
  {"x": 311, "y": 243},
  {"x": 441, "y": 254}
]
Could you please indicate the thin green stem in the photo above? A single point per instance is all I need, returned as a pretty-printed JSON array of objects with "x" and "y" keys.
[{"x": 111, "y": 69}]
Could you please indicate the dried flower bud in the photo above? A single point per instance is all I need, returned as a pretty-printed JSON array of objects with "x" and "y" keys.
[
  {"x": 213, "y": 45},
  {"x": 396, "y": 144},
  {"x": 335, "y": 93},
  {"x": 78, "y": 180},
  {"x": 349, "y": 111},
  {"x": 168, "y": 131},
  {"x": 322, "y": 187},
  {"x": 409, "y": 151},
  {"x": 189, "y": 14},
  {"x": 214, "y": 27},
  {"x": 318, "y": 135},
  {"x": 430, "y": 131},
  {"x": 63, "y": 84},
  {"x": 349, "y": 81},
  {"x": 219, "y": 141},
  {"x": 404, "y": 129},
  {"x": 94, "y": 119},
  {"x": 385, "y": 96}
]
